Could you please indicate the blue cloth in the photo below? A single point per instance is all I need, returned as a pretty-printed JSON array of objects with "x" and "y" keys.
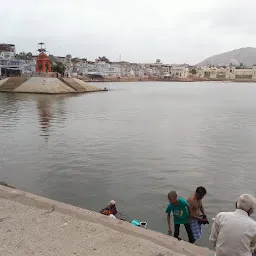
[
  {"x": 196, "y": 228},
  {"x": 180, "y": 211},
  {"x": 135, "y": 223}
]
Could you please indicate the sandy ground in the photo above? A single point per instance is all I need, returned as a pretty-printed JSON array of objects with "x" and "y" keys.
[
  {"x": 88, "y": 88},
  {"x": 2, "y": 81},
  {"x": 51, "y": 85},
  {"x": 44, "y": 85}
]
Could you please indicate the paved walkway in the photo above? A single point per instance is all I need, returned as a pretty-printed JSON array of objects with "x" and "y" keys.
[{"x": 32, "y": 225}]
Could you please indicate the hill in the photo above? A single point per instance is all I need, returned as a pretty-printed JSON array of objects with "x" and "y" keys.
[{"x": 246, "y": 55}]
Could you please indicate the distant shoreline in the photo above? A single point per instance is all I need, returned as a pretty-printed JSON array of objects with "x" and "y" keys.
[
  {"x": 136, "y": 79},
  {"x": 152, "y": 79}
]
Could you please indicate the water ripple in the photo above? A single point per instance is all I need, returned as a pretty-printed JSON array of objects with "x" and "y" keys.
[{"x": 133, "y": 144}]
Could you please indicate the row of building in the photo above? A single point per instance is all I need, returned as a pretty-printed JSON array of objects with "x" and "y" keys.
[
  {"x": 10, "y": 65},
  {"x": 124, "y": 69},
  {"x": 227, "y": 73},
  {"x": 159, "y": 70}
]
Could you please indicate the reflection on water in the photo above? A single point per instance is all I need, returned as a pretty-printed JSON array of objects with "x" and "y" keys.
[
  {"x": 133, "y": 144},
  {"x": 45, "y": 116}
]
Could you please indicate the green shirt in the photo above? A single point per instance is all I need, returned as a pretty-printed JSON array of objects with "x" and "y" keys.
[{"x": 180, "y": 211}]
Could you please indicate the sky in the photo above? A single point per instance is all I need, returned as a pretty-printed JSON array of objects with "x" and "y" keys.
[{"x": 184, "y": 31}]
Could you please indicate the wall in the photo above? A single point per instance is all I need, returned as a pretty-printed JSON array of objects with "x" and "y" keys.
[
  {"x": 7, "y": 55},
  {"x": 179, "y": 72},
  {"x": 26, "y": 66},
  {"x": 226, "y": 73},
  {"x": 243, "y": 73}
]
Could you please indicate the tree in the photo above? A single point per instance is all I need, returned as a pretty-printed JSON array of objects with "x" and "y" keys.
[
  {"x": 40, "y": 66},
  {"x": 104, "y": 59},
  {"x": 24, "y": 56},
  {"x": 58, "y": 67},
  {"x": 193, "y": 71},
  {"x": 75, "y": 60},
  {"x": 46, "y": 67},
  {"x": 29, "y": 56}
]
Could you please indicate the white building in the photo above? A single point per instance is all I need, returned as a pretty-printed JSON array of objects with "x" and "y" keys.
[
  {"x": 103, "y": 68},
  {"x": 7, "y": 55},
  {"x": 227, "y": 73},
  {"x": 10, "y": 67},
  {"x": 115, "y": 70},
  {"x": 7, "y": 51},
  {"x": 179, "y": 72}
]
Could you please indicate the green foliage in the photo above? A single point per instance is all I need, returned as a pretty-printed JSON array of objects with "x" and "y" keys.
[
  {"x": 46, "y": 67},
  {"x": 58, "y": 67},
  {"x": 75, "y": 60},
  {"x": 24, "y": 56},
  {"x": 40, "y": 66},
  {"x": 104, "y": 59},
  {"x": 240, "y": 66},
  {"x": 193, "y": 71}
]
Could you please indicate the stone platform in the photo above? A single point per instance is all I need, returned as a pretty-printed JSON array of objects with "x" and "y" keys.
[
  {"x": 32, "y": 225},
  {"x": 47, "y": 85}
]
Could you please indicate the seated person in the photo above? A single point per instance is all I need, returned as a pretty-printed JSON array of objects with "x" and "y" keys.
[{"x": 110, "y": 209}]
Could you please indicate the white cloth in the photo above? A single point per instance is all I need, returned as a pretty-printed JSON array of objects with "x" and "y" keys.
[
  {"x": 112, "y": 202},
  {"x": 233, "y": 233}
]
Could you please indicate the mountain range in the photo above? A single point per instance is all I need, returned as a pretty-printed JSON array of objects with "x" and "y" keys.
[{"x": 246, "y": 56}]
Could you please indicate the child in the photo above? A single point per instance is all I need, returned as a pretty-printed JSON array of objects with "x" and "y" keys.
[
  {"x": 181, "y": 215},
  {"x": 198, "y": 217}
]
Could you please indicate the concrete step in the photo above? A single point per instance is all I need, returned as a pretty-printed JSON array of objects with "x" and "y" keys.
[
  {"x": 73, "y": 84},
  {"x": 63, "y": 228},
  {"x": 12, "y": 83}
]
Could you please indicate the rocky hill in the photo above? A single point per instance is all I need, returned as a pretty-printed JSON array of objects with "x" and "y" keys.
[{"x": 247, "y": 56}]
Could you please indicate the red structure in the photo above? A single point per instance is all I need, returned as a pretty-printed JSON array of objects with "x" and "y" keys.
[{"x": 43, "y": 63}]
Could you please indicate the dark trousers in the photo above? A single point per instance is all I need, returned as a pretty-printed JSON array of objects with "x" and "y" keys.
[{"x": 188, "y": 229}]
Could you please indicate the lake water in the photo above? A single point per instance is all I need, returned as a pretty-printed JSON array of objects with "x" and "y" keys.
[{"x": 133, "y": 144}]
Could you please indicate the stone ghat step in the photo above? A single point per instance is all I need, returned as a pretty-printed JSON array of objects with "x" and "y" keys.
[
  {"x": 73, "y": 84},
  {"x": 55, "y": 228},
  {"x": 12, "y": 83}
]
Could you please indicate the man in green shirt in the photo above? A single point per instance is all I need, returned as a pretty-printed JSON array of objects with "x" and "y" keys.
[{"x": 181, "y": 215}]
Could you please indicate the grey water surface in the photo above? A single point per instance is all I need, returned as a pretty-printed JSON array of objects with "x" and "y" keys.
[{"x": 133, "y": 144}]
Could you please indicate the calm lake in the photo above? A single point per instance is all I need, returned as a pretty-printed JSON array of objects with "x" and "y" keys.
[{"x": 133, "y": 144}]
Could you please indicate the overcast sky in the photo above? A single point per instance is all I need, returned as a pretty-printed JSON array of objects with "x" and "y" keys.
[{"x": 184, "y": 31}]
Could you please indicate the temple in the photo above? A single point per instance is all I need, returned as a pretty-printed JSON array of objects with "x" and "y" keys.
[{"x": 43, "y": 63}]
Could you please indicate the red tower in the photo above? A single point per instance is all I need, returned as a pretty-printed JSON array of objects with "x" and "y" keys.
[{"x": 43, "y": 63}]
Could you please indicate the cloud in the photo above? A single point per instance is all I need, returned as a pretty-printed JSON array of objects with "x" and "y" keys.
[
  {"x": 233, "y": 17},
  {"x": 141, "y": 31}
]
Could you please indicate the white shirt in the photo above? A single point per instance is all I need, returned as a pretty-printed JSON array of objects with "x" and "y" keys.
[{"x": 233, "y": 234}]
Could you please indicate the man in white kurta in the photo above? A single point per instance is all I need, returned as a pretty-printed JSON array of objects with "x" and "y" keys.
[{"x": 234, "y": 233}]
